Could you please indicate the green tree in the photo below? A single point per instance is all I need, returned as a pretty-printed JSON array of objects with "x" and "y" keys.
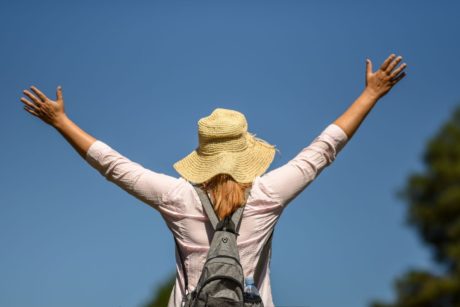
[
  {"x": 161, "y": 293},
  {"x": 433, "y": 201}
]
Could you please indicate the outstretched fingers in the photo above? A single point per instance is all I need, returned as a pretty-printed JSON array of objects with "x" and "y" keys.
[
  {"x": 395, "y": 75},
  {"x": 28, "y": 103},
  {"x": 30, "y": 110},
  {"x": 39, "y": 93},
  {"x": 37, "y": 101},
  {"x": 393, "y": 65},
  {"x": 398, "y": 78},
  {"x": 387, "y": 62},
  {"x": 398, "y": 70}
]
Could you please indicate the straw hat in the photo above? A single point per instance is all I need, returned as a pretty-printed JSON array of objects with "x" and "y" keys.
[{"x": 226, "y": 146}]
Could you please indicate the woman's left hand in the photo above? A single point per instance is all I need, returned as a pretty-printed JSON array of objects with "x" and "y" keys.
[{"x": 380, "y": 82}]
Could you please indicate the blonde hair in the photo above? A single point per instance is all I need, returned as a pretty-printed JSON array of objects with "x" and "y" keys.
[{"x": 227, "y": 194}]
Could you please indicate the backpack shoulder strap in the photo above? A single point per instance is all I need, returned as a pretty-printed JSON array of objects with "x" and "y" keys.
[{"x": 206, "y": 202}]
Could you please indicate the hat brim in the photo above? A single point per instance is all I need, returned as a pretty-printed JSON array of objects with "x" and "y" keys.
[{"x": 243, "y": 166}]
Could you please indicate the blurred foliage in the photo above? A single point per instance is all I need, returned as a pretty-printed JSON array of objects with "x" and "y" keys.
[
  {"x": 433, "y": 201},
  {"x": 162, "y": 292}
]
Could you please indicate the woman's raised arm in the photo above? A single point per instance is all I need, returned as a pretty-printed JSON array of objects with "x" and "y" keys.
[
  {"x": 378, "y": 84},
  {"x": 52, "y": 112},
  {"x": 146, "y": 185},
  {"x": 286, "y": 182}
]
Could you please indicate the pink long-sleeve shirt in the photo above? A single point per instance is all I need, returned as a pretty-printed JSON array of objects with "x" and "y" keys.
[{"x": 177, "y": 202}]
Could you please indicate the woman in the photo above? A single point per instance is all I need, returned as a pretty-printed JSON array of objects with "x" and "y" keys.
[{"x": 228, "y": 162}]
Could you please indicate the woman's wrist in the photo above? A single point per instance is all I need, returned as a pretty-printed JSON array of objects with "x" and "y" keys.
[
  {"x": 60, "y": 121},
  {"x": 371, "y": 94}
]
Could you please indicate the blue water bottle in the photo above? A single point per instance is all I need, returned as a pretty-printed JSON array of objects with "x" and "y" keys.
[{"x": 251, "y": 294}]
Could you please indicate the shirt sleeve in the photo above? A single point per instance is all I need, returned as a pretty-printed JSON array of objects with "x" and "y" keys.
[
  {"x": 286, "y": 182},
  {"x": 146, "y": 185}
]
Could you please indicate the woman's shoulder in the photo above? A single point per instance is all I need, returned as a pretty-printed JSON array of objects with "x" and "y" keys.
[
  {"x": 262, "y": 190},
  {"x": 261, "y": 198}
]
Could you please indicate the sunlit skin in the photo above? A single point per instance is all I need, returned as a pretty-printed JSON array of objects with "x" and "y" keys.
[
  {"x": 53, "y": 113},
  {"x": 377, "y": 85}
]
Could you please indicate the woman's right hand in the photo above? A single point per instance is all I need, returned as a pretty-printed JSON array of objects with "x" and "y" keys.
[{"x": 50, "y": 111}]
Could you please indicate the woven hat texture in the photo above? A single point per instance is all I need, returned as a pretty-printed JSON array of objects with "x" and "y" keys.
[{"x": 226, "y": 146}]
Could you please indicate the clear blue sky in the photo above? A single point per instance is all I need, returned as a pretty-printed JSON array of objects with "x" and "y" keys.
[{"x": 138, "y": 76}]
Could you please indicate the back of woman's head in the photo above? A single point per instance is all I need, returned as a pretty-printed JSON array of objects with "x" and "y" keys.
[{"x": 228, "y": 194}]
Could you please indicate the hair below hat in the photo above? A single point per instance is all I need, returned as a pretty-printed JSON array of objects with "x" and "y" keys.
[{"x": 226, "y": 146}]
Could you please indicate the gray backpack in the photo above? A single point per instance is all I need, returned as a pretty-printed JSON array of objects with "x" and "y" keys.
[{"x": 222, "y": 279}]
